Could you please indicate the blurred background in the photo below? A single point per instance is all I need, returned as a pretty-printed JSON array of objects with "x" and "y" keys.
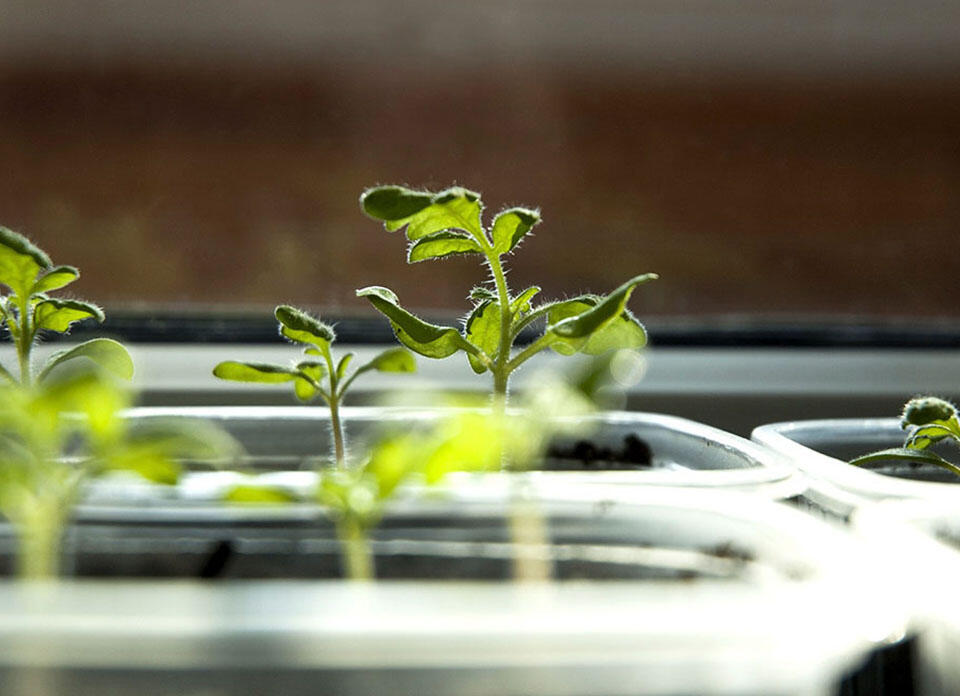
[{"x": 773, "y": 160}]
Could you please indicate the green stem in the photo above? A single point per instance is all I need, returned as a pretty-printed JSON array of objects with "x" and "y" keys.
[
  {"x": 501, "y": 369},
  {"x": 355, "y": 550},
  {"x": 25, "y": 341},
  {"x": 531, "y": 350},
  {"x": 337, "y": 428},
  {"x": 39, "y": 544}
]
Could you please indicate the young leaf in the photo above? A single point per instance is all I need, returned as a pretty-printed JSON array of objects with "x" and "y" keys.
[
  {"x": 310, "y": 372},
  {"x": 393, "y": 203},
  {"x": 483, "y": 330},
  {"x": 260, "y": 494},
  {"x": 521, "y": 303},
  {"x": 512, "y": 225},
  {"x": 927, "y": 410},
  {"x": 480, "y": 293},
  {"x": 60, "y": 315},
  {"x": 926, "y": 435},
  {"x": 253, "y": 372},
  {"x": 908, "y": 455},
  {"x": 585, "y": 323},
  {"x": 105, "y": 352},
  {"x": 55, "y": 278},
  {"x": 20, "y": 262},
  {"x": 440, "y": 244},
  {"x": 623, "y": 332},
  {"x": 392, "y": 360},
  {"x": 343, "y": 365},
  {"x": 429, "y": 340},
  {"x": 300, "y": 327},
  {"x": 424, "y": 213}
]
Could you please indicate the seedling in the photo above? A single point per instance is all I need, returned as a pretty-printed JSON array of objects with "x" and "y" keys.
[
  {"x": 308, "y": 374},
  {"x": 929, "y": 420},
  {"x": 449, "y": 223},
  {"x": 28, "y": 310}
]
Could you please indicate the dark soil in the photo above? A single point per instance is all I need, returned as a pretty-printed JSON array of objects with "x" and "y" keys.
[{"x": 586, "y": 455}]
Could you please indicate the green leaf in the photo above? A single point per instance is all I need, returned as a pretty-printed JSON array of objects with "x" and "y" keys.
[
  {"x": 20, "y": 262},
  {"x": 105, "y": 352},
  {"x": 343, "y": 365},
  {"x": 300, "y": 327},
  {"x": 483, "y": 330},
  {"x": 149, "y": 463},
  {"x": 55, "y": 278},
  {"x": 424, "y": 213},
  {"x": 480, "y": 293},
  {"x": 927, "y": 410},
  {"x": 60, "y": 315},
  {"x": 429, "y": 340},
  {"x": 512, "y": 225},
  {"x": 926, "y": 435},
  {"x": 393, "y": 203},
  {"x": 623, "y": 332},
  {"x": 440, "y": 244},
  {"x": 585, "y": 323},
  {"x": 393, "y": 360},
  {"x": 908, "y": 455},
  {"x": 253, "y": 372},
  {"x": 306, "y": 389},
  {"x": 565, "y": 309},
  {"x": 521, "y": 303},
  {"x": 253, "y": 493}
]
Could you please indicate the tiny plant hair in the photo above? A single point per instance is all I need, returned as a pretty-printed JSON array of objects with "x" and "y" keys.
[
  {"x": 316, "y": 375},
  {"x": 29, "y": 309},
  {"x": 450, "y": 222},
  {"x": 928, "y": 420}
]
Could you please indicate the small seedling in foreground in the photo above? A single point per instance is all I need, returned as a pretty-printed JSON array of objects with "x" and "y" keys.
[
  {"x": 929, "y": 420},
  {"x": 449, "y": 222},
  {"x": 29, "y": 310},
  {"x": 308, "y": 374}
]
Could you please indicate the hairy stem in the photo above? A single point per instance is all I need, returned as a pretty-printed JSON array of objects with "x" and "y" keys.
[
  {"x": 337, "y": 428},
  {"x": 24, "y": 342},
  {"x": 501, "y": 369},
  {"x": 355, "y": 550}
]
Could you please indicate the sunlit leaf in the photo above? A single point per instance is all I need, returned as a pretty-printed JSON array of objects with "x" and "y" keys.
[
  {"x": 480, "y": 293},
  {"x": 585, "y": 323},
  {"x": 393, "y": 360},
  {"x": 306, "y": 389},
  {"x": 148, "y": 462},
  {"x": 440, "y": 244},
  {"x": 483, "y": 330},
  {"x": 424, "y": 213},
  {"x": 105, "y": 352},
  {"x": 343, "y": 365},
  {"x": 565, "y": 309},
  {"x": 393, "y": 203},
  {"x": 419, "y": 336},
  {"x": 60, "y": 315},
  {"x": 521, "y": 303},
  {"x": 907, "y": 455},
  {"x": 20, "y": 262},
  {"x": 253, "y": 372},
  {"x": 55, "y": 278},
  {"x": 510, "y": 226},
  {"x": 300, "y": 327},
  {"x": 623, "y": 332}
]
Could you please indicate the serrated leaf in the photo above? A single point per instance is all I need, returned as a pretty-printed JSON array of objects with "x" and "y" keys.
[
  {"x": 393, "y": 360},
  {"x": 908, "y": 455},
  {"x": 300, "y": 327},
  {"x": 393, "y": 203},
  {"x": 55, "y": 278},
  {"x": 263, "y": 373},
  {"x": 587, "y": 322},
  {"x": 511, "y": 226},
  {"x": 483, "y": 330},
  {"x": 20, "y": 262},
  {"x": 521, "y": 303},
  {"x": 105, "y": 352},
  {"x": 429, "y": 340},
  {"x": 343, "y": 365},
  {"x": 60, "y": 315},
  {"x": 440, "y": 244}
]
